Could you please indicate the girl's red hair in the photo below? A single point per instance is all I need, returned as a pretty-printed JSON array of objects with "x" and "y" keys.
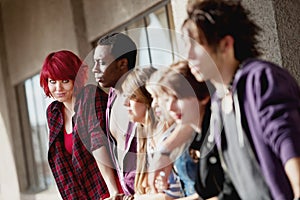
[{"x": 63, "y": 65}]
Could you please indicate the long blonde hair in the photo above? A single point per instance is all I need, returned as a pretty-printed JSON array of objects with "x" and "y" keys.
[{"x": 134, "y": 84}]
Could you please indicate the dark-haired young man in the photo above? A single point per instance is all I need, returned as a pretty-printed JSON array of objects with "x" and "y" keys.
[
  {"x": 114, "y": 56},
  {"x": 256, "y": 101}
]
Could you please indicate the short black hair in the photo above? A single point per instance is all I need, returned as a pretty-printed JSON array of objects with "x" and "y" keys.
[
  {"x": 218, "y": 18},
  {"x": 122, "y": 46}
]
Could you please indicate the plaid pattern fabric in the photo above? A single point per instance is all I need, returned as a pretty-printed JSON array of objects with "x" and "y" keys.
[
  {"x": 89, "y": 120},
  {"x": 77, "y": 176}
]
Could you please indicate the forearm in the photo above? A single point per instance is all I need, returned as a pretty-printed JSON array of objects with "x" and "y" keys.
[
  {"x": 292, "y": 169},
  {"x": 194, "y": 196},
  {"x": 109, "y": 178},
  {"x": 157, "y": 196},
  {"x": 158, "y": 165},
  {"x": 173, "y": 146},
  {"x": 181, "y": 135},
  {"x": 169, "y": 151},
  {"x": 105, "y": 166}
]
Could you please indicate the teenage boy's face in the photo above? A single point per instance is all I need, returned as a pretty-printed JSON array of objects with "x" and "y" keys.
[
  {"x": 200, "y": 55},
  {"x": 106, "y": 69}
]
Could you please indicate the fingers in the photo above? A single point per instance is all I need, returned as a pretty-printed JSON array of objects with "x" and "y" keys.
[
  {"x": 161, "y": 182},
  {"x": 116, "y": 197},
  {"x": 151, "y": 181}
]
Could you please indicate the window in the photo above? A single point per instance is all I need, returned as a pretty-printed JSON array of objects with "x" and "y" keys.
[
  {"x": 152, "y": 33},
  {"x": 35, "y": 134},
  {"x": 37, "y": 104}
]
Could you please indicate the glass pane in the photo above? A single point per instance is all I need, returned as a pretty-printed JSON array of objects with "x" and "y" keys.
[
  {"x": 162, "y": 17},
  {"x": 159, "y": 38},
  {"x": 152, "y": 36},
  {"x": 136, "y": 31},
  {"x": 37, "y": 104}
]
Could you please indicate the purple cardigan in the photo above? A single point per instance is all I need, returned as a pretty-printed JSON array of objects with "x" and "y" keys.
[{"x": 270, "y": 104}]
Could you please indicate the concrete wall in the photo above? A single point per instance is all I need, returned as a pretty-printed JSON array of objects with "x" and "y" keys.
[
  {"x": 103, "y": 16},
  {"x": 9, "y": 187},
  {"x": 32, "y": 29},
  {"x": 280, "y": 37},
  {"x": 9, "y": 119},
  {"x": 287, "y": 17},
  {"x": 263, "y": 13}
]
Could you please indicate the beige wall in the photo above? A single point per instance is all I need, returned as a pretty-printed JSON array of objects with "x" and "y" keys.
[
  {"x": 178, "y": 10},
  {"x": 32, "y": 29},
  {"x": 103, "y": 16},
  {"x": 9, "y": 115},
  {"x": 9, "y": 187}
]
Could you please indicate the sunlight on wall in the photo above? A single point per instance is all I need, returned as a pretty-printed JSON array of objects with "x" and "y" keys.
[{"x": 9, "y": 187}]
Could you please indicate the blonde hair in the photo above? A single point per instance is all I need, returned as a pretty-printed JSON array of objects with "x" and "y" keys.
[
  {"x": 134, "y": 85},
  {"x": 178, "y": 80}
]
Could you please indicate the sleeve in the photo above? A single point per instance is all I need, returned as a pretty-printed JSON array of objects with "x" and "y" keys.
[
  {"x": 48, "y": 115},
  {"x": 54, "y": 120},
  {"x": 90, "y": 117},
  {"x": 98, "y": 130},
  {"x": 275, "y": 97}
]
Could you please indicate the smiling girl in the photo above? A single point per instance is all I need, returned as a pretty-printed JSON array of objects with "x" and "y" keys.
[{"x": 76, "y": 124}]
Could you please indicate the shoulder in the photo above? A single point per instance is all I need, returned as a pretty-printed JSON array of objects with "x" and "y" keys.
[
  {"x": 91, "y": 95},
  {"x": 54, "y": 112},
  {"x": 91, "y": 89},
  {"x": 53, "y": 106},
  {"x": 259, "y": 75},
  {"x": 255, "y": 68}
]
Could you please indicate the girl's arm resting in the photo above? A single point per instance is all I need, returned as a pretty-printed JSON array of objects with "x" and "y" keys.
[{"x": 106, "y": 169}]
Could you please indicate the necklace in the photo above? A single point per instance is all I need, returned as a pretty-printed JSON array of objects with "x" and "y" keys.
[
  {"x": 232, "y": 79},
  {"x": 227, "y": 101}
]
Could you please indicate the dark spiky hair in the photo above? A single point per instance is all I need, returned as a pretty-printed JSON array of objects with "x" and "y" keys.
[{"x": 218, "y": 18}]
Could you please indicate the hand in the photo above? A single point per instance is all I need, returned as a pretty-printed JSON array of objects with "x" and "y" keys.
[
  {"x": 116, "y": 197},
  {"x": 161, "y": 182},
  {"x": 162, "y": 163}
]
